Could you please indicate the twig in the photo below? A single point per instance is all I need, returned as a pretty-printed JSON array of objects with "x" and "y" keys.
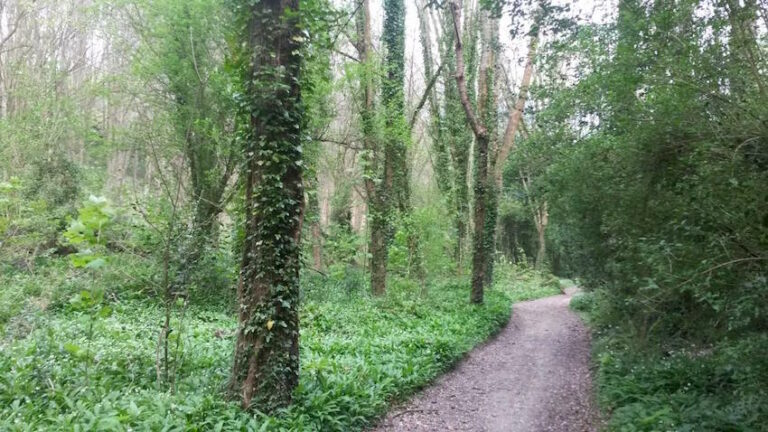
[{"x": 710, "y": 270}]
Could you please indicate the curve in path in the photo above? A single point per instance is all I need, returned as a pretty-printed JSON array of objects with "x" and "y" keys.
[{"x": 533, "y": 376}]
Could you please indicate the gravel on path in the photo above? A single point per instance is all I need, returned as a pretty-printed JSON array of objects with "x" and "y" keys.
[{"x": 533, "y": 376}]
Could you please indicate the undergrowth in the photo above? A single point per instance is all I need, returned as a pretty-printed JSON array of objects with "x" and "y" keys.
[
  {"x": 358, "y": 354},
  {"x": 647, "y": 385},
  {"x": 521, "y": 283}
]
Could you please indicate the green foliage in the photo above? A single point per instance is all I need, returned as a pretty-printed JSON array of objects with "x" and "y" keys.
[
  {"x": 88, "y": 232},
  {"x": 11, "y": 204},
  {"x": 29, "y": 228},
  {"x": 56, "y": 180},
  {"x": 358, "y": 354},
  {"x": 583, "y": 302},
  {"x": 520, "y": 283},
  {"x": 658, "y": 202},
  {"x": 342, "y": 246},
  {"x": 93, "y": 219},
  {"x": 714, "y": 388}
]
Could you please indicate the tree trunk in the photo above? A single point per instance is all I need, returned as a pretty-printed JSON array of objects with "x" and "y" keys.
[
  {"x": 312, "y": 217},
  {"x": 317, "y": 246},
  {"x": 266, "y": 361},
  {"x": 479, "y": 253},
  {"x": 515, "y": 116},
  {"x": 378, "y": 250},
  {"x": 486, "y": 103},
  {"x": 377, "y": 161},
  {"x": 541, "y": 220},
  {"x": 393, "y": 37}
]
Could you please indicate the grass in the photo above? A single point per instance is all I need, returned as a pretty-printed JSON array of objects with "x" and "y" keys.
[
  {"x": 521, "y": 284},
  {"x": 358, "y": 354},
  {"x": 721, "y": 387}
]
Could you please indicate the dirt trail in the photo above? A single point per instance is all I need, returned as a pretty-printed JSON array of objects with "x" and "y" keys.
[{"x": 534, "y": 376}]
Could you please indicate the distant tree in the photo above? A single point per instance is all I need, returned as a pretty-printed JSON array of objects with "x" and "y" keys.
[{"x": 182, "y": 56}]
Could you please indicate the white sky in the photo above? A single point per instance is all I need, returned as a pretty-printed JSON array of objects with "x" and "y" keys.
[{"x": 513, "y": 51}]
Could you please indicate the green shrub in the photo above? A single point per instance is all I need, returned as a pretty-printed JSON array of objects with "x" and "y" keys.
[
  {"x": 583, "y": 302},
  {"x": 712, "y": 388}
]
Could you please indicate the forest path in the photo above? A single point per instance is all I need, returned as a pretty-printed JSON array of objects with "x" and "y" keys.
[{"x": 533, "y": 376}]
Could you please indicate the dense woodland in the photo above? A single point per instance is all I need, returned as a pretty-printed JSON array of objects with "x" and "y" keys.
[{"x": 290, "y": 214}]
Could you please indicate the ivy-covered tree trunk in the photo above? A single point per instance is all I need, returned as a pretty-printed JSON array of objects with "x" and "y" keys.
[
  {"x": 376, "y": 161},
  {"x": 479, "y": 246},
  {"x": 398, "y": 130},
  {"x": 312, "y": 216},
  {"x": 486, "y": 105},
  {"x": 456, "y": 140},
  {"x": 266, "y": 360},
  {"x": 541, "y": 218},
  {"x": 479, "y": 253}
]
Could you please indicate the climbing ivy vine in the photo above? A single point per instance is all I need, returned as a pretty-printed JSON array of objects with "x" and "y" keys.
[{"x": 266, "y": 362}]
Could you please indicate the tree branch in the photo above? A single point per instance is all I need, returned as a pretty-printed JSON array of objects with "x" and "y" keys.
[
  {"x": 425, "y": 96},
  {"x": 479, "y": 130},
  {"x": 515, "y": 116}
]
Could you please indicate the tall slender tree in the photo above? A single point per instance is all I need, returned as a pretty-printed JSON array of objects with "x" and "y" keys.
[
  {"x": 266, "y": 359},
  {"x": 515, "y": 115},
  {"x": 376, "y": 160},
  {"x": 398, "y": 130},
  {"x": 482, "y": 139},
  {"x": 450, "y": 138}
]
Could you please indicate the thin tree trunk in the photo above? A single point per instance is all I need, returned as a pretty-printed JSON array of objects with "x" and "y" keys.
[
  {"x": 378, "y": 251},
  {"x": 515, "y": 116},
  {"x": 317, "y": 246},
  {"x": 541, "y": 221},
  {"x": 479, "y": 254},
  {"x": 376, "y": 194},
  {"x": 486, "y": 105}
]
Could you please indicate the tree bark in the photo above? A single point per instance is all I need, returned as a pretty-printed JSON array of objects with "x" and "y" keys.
[
  {"x": 377, "y": 161},
  {"x": 479, "y": 254},
  {"x": 266, "y": 360},
  {"x": 486, "y": 106},
  {"x": 541, "y": 220},
  {"x": 515, "y": 116},
  {"x": 461, "y": 80}
]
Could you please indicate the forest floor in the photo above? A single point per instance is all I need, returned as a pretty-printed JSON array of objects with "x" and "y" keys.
[{"x": 533, "y": 376}]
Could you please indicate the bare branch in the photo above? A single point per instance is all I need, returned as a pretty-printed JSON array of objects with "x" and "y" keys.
[
  {"x": 515, "y": 116},
  {"x": 461, "y": 81},
  {"x": 425, "y": 96}
]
